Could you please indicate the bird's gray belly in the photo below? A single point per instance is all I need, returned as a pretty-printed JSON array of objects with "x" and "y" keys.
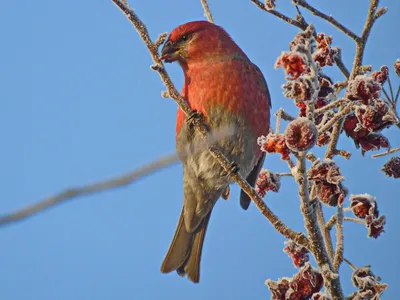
[{"x": 238, "y": 147}]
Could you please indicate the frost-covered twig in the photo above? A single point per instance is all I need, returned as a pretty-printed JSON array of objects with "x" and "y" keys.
[
  {"x": 338, "y": 116},
  {"x": 281, "y": 115},
  {"x": 331, "y": 105},
  {"x": 386, "y": 152},
  {"x": 339, "y": 62},
  {"x": 339, "y": 248},
  {"x": 207, "y": 12},
  {"x": 361, "y": 43},
  {"x": 325, "y": 230},
  {"x": 201, "y": 127}
]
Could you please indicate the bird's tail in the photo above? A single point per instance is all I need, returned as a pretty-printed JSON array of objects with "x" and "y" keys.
[{"x": 184, "y": 253}]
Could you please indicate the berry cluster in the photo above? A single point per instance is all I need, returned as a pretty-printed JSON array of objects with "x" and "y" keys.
[
  {"x": 267, "y": 181},
  {"x": 328, "y": 180},
  {"x": 368, "y": 284},
  {"x": 302, "y": 286}
]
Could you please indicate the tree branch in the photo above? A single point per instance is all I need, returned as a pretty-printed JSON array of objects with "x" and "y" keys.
[
  {"x": 101, "y": 186},
  {"x": 361, "y": 43},
  {"x": 260, "y": 5},
  {"x": 330, "y": 19},
  {"x": 386, "y": 152},
  {"x": 338, "y": 258},
  {"x": 207, "y": 12}
]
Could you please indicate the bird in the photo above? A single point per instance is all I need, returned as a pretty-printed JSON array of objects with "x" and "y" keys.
[{"x": 225, "y": 89}]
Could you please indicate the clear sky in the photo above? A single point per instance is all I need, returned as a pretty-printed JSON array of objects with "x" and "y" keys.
[{"x": 79, "y": 103}]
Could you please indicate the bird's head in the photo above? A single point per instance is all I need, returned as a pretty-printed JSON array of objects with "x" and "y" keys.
[{"x": 199, "y": 42}]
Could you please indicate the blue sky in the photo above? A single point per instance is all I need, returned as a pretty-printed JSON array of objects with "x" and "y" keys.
[{"x": 79, "y": 103}]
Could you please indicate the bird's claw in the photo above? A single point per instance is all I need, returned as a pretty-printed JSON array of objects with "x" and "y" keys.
[
  {"x": 194, "y": 117},
  {"x": 233, "y": 169}
]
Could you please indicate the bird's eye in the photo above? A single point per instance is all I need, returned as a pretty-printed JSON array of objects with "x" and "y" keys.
[{"x": 185, "y": 37}]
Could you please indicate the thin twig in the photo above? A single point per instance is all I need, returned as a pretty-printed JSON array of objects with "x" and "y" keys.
[
  {"x": 361, "y": 43},
  {"x": 72, "y": 193},
  {"x": 331, "y": 105},
  {"x": 330, "y": 19},
  {"x": 339, "y": 249},
  {"x": 386, "y": 153},
  {"x": 338, "y": 116},
  {"x": 325, "y": 230},
  {"x": 201, "y": 127},
  {"x": 285, "y": 18},
  {"x": 353, "y": 267},
  {"x": 207, "y": 11},
  {"x": 339, "y": 62}
]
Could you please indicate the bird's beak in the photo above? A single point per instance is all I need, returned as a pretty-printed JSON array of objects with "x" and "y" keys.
[{"x": 169, "y": 52}]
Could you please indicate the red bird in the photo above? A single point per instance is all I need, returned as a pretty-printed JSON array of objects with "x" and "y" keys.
[{"x": 227, "y": 90}]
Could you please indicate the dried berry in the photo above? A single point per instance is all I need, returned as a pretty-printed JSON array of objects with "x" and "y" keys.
[
  {"x": 325, "y": 54},
  {"x": 278, "y": 288},
  {"x": 392, "y": 167},
  {"x": 364, "y": 205},
  {"x": 375, "y": 226},
  {"x": 381, "y": 76},
  {"x": 302, "y": 286},
  {"x": 397, "y": 67},
  {"x": 269, "y": 4},
  {"x": 274, "y": 143},
  {"x": 299, "y": 89},
  {"x": 298, "y": 253},
  {"x": 294, "y": 64},
  {"x": 325, "y": 171},
  {"x": 327, "y": 177},
  {"x": 301, "y": 134},
  {"x": 373, "y": 141},
  {"x": 326, "y": 86},
  {"x": 320, "y": 296},
  {"x": 267, "y": 181},
  {"x": 363, "y": 88},
  {"x": 331, "y": 194},
  {"x": 368, "y": 283},
  {"x": 305, "y": 283}
]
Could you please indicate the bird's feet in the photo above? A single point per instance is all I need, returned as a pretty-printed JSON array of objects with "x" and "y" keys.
[
  {"x": 233, "y": 169},
  {"x": 194, "y": 117}
]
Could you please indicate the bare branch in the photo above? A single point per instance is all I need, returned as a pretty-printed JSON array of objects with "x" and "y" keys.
[
  {"x": 338, "y": 258},
  {"x": 386, "y": 153},
  {"x": 207, "y": 12},
  {"x": 338, "y": 116},
  {"x": 361, "y": 43},
  {"x": 330, "y": 19},
  {"x": 72, "y": 193},
  {"x": 331, "y": 105},
  {"x": 285, "y": 18},
  {"x": 201, "y": 127},
  {"x": 325, "y": 230},
  {"x": 339, "y": 62}
]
